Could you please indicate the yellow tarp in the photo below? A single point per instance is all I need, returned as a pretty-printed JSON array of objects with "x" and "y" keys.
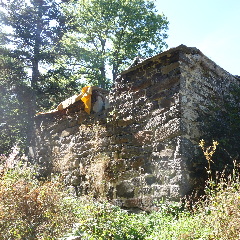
[{"x": 85, "y": 96}]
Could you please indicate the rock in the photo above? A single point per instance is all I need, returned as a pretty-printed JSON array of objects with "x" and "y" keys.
[{"x": 98, "y": 105}]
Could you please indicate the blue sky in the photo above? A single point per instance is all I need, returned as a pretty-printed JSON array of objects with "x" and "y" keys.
[{"x": 213, "y": 26}]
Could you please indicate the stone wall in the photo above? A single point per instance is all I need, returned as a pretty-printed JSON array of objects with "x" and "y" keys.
[{"x": 143, "y": 147}]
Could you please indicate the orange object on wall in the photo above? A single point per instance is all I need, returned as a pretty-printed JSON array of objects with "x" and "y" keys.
[{"x": 85, "y": 96}]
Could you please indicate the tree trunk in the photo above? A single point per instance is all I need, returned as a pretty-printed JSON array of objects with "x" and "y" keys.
[
  {"x": 114, "y": 72},
  {"x": 102, "y": 82},
  {"x": 35, "y": 73}
]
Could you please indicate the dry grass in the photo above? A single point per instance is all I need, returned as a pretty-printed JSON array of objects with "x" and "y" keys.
[{"x": 30, "y": 209}]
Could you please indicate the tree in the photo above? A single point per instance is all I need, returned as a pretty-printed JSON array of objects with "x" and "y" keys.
[
  {"x": 13, "y": 113},
  {"x": 108, "y": 34},
  {"x": 34, "y": 30}
]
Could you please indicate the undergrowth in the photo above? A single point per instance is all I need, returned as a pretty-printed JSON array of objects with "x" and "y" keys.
[{"x": 33, "y": 209}]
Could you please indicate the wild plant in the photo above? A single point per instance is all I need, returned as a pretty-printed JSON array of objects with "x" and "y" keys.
[
  {"x": 31, "y": 209},
  {"x": 221, "y": 209}
]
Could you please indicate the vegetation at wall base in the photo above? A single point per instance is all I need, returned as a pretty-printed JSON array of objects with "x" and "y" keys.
[{"x": 33, "y": 209}]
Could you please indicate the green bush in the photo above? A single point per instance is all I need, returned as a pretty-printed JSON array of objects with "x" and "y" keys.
[
  {"x": 215, "y": 217},
  {"x": 105, "y": 221},
  {"x": 102, "y": 221}
]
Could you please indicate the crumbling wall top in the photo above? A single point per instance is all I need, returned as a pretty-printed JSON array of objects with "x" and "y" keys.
[{"x": 171, "y": 51}]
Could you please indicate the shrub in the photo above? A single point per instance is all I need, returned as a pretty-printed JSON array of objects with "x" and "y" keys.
[
  {"x": 221, "y": 208},
  {"x": 105, "y": 221},
  {"x": 31, "y": 209}
]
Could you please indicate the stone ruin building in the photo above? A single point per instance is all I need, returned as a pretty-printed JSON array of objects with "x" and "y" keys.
[{"x": 140, "y": 141}]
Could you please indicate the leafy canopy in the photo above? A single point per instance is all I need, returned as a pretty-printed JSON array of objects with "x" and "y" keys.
[{"x": 107, "y": 34}]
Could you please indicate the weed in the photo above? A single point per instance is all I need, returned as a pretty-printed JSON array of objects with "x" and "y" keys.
[{"x": 208, "y": 153}]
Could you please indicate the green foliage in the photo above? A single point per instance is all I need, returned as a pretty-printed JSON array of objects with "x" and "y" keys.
[
  {"x": 107, "y": 35},
  {"x": 34, "y": 29},
  {"x": 58, "y": 86},
  {"x": 220, "y": 210},
  {"x": 207, "y": 219},
  {"x": 105, "y": 221},
  {"x": 30, "y": 36}
]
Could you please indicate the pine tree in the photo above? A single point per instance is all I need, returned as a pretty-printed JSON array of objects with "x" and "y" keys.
[{"x": 31, "y": 31}]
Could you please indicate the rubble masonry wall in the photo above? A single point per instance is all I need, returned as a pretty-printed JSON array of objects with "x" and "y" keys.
[{"x": 143, "y": 147}]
